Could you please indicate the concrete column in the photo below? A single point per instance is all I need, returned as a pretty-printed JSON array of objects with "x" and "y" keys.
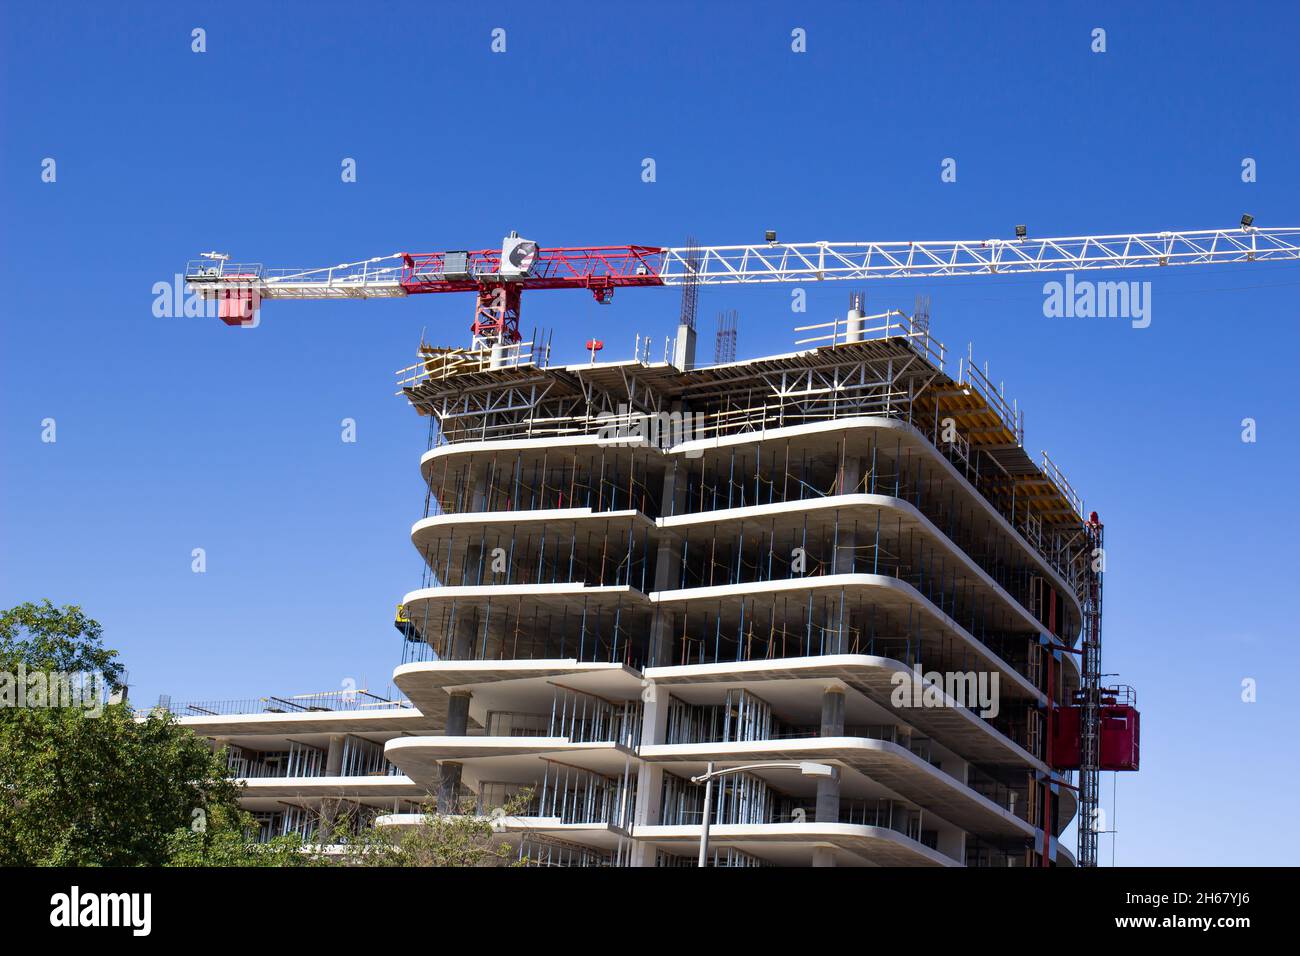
[
  {"x": 478, "y": 479},
  {"x": 846, "y": 538},
  {"x": 464, "y": 633},
  {"x": 448, "y": 786},
  {"x": 952, "y": 843},
  {"x": 828, "y": 798},
  {"x": 833, "y": 712},
  {"x": 853, "y": 320},
  {"x": 668, "y": 567},
  {"x": 450, "y": 770},
  {"x": 684, "y": 348},
  {"x": 661, "y": 638},
  {"x": 823, "y": 856},
  {"x": 844, "y": 560},
  {"x": 458, "y": 714},
  {"x": 654, "y": 721},
  {"x": 334, "y": 756},
  {"x": 832, "y": 725},
  {"x": 650, "y": 777}
]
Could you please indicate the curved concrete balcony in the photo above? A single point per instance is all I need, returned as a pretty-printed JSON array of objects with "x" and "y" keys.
[
  {"x": 885, "y": 591},
  {"x": 863, "y": 762},
  {"x": 793, "y": 844},
  {"x": 954, "y": 726},
  {"x": 513, "y": 759},
  {"x": 826, "y": 518},
  {"x": 813, "y": 520},
  {"x": 510, "y": 684},
  {"x": 596, "y": 836},
  {"x": 434, "y": 532},
  {"x": 555, "y": 546},
  {"x": 370, "y": 787},
  {"x": 559, "y": 596},
  {"x": 574, "y": 621},
  {"x": 486, "y": 449},
  {"x": 528, "y": 475},
  {"x": 386, "y": 720},
  {"x": 910, "y": 439}
]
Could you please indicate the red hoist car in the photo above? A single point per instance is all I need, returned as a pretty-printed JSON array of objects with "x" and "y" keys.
[{"x": 1119, "y": 724}]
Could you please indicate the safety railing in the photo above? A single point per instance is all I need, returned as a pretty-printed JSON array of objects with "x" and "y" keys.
[
  {"x": 296, "y": 704},
  {"x": 971, "y": 376},
  {"x": 208, "y": 270},
  {"x": 883, "y": 325}
]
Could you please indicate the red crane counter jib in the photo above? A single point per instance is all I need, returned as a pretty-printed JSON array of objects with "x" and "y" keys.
[
  {"x": 599, "y": 269},
  {"x": 500, "y": 277}
]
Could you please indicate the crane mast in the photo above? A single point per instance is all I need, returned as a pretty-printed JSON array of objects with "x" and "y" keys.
[{"x": 1089, "y": 697}]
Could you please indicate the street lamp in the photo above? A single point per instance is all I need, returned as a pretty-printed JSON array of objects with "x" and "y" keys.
[{"x": 805, "y": 767}]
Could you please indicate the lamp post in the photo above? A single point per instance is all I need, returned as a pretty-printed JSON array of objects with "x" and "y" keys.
[{"x": 805, "y": 767}]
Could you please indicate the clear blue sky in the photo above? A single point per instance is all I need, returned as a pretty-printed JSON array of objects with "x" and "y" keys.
[{"x": 181, "y": 433}]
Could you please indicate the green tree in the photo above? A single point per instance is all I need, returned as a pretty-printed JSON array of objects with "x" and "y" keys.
[
  {"x": 466, "y": 838},
  {"x": 225, "y": 840},
  {"x": 103, "y": 791},
  {"x": 83, "y": 786},
  {"x": 58, "y": 639},
  {"x": 103, "y": 787}
]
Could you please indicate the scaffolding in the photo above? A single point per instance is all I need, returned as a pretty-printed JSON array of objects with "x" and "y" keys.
[
  {"x": 365, "y": 758},
  {"x": 577, "y": 716},
  {"x": 888, "y": 365},
  {"x": 743, "y": 716},
  {"x": 299, "y": 760},
  {"x": 738, "y": 798},
  {"x": 543, "y": 850},
  {"x": 718, "y": 856}
]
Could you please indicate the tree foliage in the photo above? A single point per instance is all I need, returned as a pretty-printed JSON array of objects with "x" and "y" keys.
[
  {"x": 226, "y": 840},
  {"x": 464, "y": 838},
  {"x": 95, "y": 787},
  {"x": 103, "y": 787},
  {"x": 103, "y": 791},
  {"x": 57, "y": 639}
]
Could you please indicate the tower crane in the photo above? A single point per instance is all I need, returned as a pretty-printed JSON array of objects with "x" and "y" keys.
[{"x": 498, "y": 278}]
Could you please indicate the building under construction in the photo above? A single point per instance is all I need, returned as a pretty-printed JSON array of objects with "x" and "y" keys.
[
  {"x": 831, "y": 581},
  {"x": 816, "y": 608}
]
